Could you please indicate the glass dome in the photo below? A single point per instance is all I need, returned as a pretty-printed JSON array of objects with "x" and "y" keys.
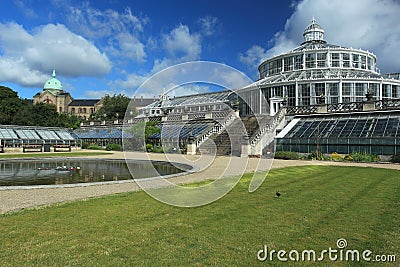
[{"x": 313, "y": 32}]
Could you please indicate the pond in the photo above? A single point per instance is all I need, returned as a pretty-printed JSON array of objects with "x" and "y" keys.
[{"x": 73, "y": 171}]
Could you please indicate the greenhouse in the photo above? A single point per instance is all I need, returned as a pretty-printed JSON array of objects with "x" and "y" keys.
[
  {"x": 333, "y": 99},
  {"x": 101, "y": 136},
  {"x": 216, "y": 101},
  {"x": 36, "y": 138},
  {"x": 374, "y": 133}
]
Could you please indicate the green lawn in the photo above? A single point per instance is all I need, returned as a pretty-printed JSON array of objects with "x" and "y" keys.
[
  {"x": 54, "y": 155},
  {"x": 318, "y": 205}
]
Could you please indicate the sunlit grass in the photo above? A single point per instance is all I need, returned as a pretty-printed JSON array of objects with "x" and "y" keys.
[{"x": 318, "y": 205}]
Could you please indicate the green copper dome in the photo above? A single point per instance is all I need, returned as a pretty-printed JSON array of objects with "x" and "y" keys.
[{"x": 53, "y": 83}]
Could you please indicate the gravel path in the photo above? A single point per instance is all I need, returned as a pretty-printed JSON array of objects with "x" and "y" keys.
[{"x": 207, "y": 167}]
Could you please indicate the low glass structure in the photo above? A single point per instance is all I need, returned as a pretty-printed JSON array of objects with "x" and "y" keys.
[
  {"x": 374, "y": 133},
  {"x": 101, "y": 136},
  {"x": 17, "y": 136}
]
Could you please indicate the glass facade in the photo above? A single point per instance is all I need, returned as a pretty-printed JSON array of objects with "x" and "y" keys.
[
  {"x": 317, "y": 72},
  {"x": 370, "y": 133},
  {"x": 332, "y": 93},
  {"x": 318, "y": 59}
]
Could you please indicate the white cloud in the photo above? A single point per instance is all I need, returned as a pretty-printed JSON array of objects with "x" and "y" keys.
[
  {"x": 231, "y": 78},
  {"x": 122, "y": 30},
  {"x": 127, "y": 46},
  {"x": 94, "y": 23},
  {"x": 47, "y": 47},
  {"x": 367, "y": 24},
  {"x": 192, "y": 78},
  {"x": 132, "y": 81},
  {"x": 15, "y": 70},
  {"x": 253, "y": 56},
  {"x": 179, "y": 45},
  {"x": 209, "y": 25}
]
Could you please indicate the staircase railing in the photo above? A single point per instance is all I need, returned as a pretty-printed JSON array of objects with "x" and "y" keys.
[
  {"x": 256, "y": 138},
  {"x": 216, "y": 129}
]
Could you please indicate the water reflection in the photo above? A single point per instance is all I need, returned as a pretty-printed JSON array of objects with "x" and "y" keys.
[{"x": 70, "y": 171}]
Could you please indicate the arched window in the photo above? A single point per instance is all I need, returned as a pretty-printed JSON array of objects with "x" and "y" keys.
[
  {"x": 84, "y": 110},
  {"x": 73, "y": 110}
]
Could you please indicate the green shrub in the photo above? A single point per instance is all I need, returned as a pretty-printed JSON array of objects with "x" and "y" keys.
[
  {"x": 114, "y": 147},
  {"x": 316, "y": 155},
  {"x": 395, "y": 158},
  {"x": 362, "y": 157},
  {"x": 335, "y": 157},
  {"x": 158, "y": 149},
  {"x": 149, "y": 148},
  {"x": 286, "y": 155},
  {"x": 348, "y": 158},
  {"x": 85, "y": 145},
  {"x": 95, "y": 147}
]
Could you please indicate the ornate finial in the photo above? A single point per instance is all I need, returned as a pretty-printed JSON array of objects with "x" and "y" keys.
[{"x": 54, "y": 73}]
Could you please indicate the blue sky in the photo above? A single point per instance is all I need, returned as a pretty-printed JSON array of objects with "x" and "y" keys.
[{"x": 112, "y": 46}]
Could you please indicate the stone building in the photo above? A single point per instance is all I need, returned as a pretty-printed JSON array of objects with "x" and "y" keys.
[{"x": 53, "y": 93}]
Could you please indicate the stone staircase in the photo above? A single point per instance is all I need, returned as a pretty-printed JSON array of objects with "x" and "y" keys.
[
  {"x": 263, "y": 139},
  {"x": 230, "y": 140}
]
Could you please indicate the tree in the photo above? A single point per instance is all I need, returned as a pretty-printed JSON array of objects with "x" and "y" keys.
[
  {"x": 70, "y": 120},
  {"x": 140, "y": 134},
  {"x": 151, "y": 128},
  {"x": 43, "y": 114},
  {"x": 113, "y": 108},
  {"x": 17, "y": 111},
  {"x": 10, "y": 104}
]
